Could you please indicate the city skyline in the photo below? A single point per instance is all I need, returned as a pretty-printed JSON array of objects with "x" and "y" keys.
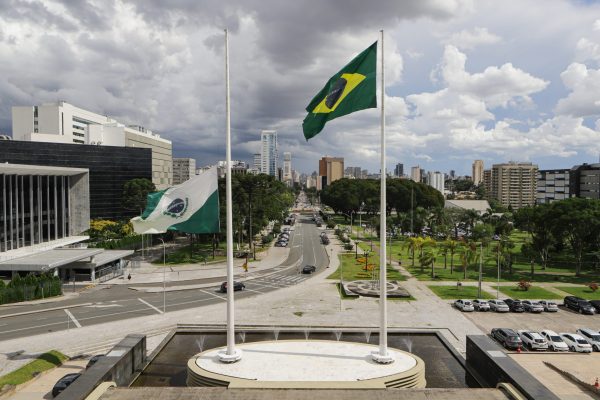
[{"x": 460, "y": 85}]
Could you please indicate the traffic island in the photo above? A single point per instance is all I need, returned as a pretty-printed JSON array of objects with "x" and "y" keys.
[{"x": 371, "y": 289}]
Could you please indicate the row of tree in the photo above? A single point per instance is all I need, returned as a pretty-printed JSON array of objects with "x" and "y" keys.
[
  {"x": 29, "y": 287},
  {"x": 572, "y": 222}
]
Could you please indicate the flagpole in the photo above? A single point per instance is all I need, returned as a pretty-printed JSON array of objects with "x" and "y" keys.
[
  {"x": 382, "y": 356},
  {"x": 232, "y": 354}
]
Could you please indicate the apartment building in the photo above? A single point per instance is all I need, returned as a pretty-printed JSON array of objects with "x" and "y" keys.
[{"x": 514, "y": 184}]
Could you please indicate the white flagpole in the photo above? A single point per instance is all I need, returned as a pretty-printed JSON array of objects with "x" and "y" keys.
[
  {"x": 231, "y": 354},
  {"x": 382, "y": 356}
]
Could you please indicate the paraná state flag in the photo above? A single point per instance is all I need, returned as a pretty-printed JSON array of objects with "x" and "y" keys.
[
  {"x": 191, "y": 207},
  {"x": 351, "y": 89}
]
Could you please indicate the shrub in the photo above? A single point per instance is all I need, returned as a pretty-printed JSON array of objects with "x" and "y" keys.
[
  {"x": 524, "y": 285},
  {"x": 348, "y": 246},
  {"x": 593, "y": 286},
  {"x": 277, "y": 228},
  {"x": 267, "y": 239},
  {"x": 338, "y": 232},
  {"x": 331, "y": 224}
]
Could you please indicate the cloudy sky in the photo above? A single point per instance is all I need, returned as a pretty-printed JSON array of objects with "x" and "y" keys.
[{"x": 512, "y": 80}]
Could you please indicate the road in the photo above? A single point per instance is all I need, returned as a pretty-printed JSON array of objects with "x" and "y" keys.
[{"x": 117, "y": 302}]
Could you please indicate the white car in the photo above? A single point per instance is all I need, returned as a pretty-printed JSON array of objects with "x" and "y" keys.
[
  {"x": 498, "y": 306},
  {"x": 592, "y": 337},
  {"x": 549, "y": 305},
  {"x": 555, "y": 342},
  {"x": 576, "y": 342},
  {"x": 481, "y": 305},
  {"x": 464, "y": 305},
  {"x": 533, "y": 340},
  {"x": 533, "y": 306}
]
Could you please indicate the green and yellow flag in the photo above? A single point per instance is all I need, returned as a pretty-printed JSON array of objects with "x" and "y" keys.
[{"x": 351, "y": 89}]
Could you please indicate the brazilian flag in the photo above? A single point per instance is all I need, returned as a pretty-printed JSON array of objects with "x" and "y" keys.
[{"x": 351, "y": 89}]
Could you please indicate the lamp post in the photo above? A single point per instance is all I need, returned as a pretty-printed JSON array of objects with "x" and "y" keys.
[
  {"x": 362, "y": 205},
  {"x": 164, "y": 273}
]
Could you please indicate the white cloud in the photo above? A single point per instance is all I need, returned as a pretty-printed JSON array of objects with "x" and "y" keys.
[
  {"x": 496, "y": 86},
  {"x": 584, "y": 98},
  {"x": 587, "y": 50},
  {"x": 469, "y": 39}
]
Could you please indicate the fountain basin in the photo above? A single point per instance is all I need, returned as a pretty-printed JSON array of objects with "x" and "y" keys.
[{"x": 306, "y": 364}]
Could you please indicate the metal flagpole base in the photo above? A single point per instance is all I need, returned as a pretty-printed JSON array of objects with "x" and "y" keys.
[
  {"x": 230, "y": 358},
  {"x": 378, "y": 358}
]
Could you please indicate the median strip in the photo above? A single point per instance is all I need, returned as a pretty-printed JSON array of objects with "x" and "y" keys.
[{"x": 43, "y": 310}]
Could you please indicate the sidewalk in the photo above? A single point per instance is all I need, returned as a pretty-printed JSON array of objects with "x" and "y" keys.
[{"x": 149, "y": 273}]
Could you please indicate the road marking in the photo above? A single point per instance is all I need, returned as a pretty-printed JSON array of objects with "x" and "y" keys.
[
  {"x": 77, "y": 324},
  {"x": 213, "y": 294},
  {"x": 255, "y": 291},
  {"x": 150, "y": 305}
]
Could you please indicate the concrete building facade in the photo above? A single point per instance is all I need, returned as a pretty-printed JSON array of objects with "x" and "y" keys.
[
  {"x": 330, "y": 170},
  {"x": 477, "y": 172},
  {"x": 287, "y": 168},
  {"x": 65, "y": 123},
  {"x": 514, "y": 184},
  {"x": 552, "y": 185},
  {"x": 436, "y": 181},
  {"x": 268, "y": 153},
  {"x": 415, "y": 173},
  {"x": 399, "y": 170},
  {"x": 183, "y": 169}
]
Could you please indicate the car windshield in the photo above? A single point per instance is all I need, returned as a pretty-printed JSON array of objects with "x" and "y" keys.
[
  {"x": 514, "y": 339},
  {"x": 595, "y": 338},
  {"x": 467, "y": 303},
  {"x": 581, "y": 341},
  {"x": 500, "y": 303},
  {"x": 556, "y": 338}
]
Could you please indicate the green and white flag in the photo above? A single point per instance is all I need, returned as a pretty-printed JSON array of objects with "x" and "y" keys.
[{"x": 191, "y": 207}]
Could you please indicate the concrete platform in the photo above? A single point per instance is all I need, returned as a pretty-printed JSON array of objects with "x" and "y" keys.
[
  {"x": 178, "y": 393},
  {"x": 303, "y": 364},
  {"x": 371, "y": 289}
]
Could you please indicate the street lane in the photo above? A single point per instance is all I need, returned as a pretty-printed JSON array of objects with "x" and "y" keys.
[{"x": 119, "y": 303}]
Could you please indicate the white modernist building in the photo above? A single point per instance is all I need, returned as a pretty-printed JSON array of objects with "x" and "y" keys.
[
  {"x": 436, "y": 181},
  {"x": 287, "y": 168},
  {"x": 268, "y": 153},
  {"x": 62, "y": 122},
  {"x": 183, "y": 169}
]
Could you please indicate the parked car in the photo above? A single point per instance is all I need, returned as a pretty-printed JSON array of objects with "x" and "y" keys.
[
  {"x": 555, "y": 342},
  {"x": 498, "y": 306},
  {"x": 515, "y": 305},
  {"x": 507, "y": 338},
  {"x": 308, "y": 269},
  {"x": 325, "y": 240},
  {"x": 578, "y": 304},
  {"x": 281, "y": 243},
  {"x": 549, "y": 305},
  {"x": 596, "y": 305},
  {"x": 592, "y": 337},
  {"x": 533, "y": 306},
  {"x": 481, "y": 305},
  {"x": 464, "y": 305},
  {"x": 237, "y": 286},
  {"x": 64, "y": 383},
  {"x": 533, "y": 340},
  {"x": 576, "y": 342},
  {"x": 93, "y": 360}
]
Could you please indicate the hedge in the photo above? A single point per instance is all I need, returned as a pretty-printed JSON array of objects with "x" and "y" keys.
[{"x": 30, "y": 287}]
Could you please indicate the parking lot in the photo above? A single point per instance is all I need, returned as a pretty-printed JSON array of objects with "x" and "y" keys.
[{"x": 562, "y": 321}]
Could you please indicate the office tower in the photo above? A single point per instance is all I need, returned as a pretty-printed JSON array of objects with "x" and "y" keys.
[
  {"x": 477, "y": 172},
  {"x": 415, "y": 173},
  {"x": 399, "y": 170},
  {"x": 268, "y": 153},
  {"x": 436, "y": 180},
  {"x": 553, "y": 184},
  {"x": 287, "y": 168},
  {"x": 330, "y": 170},
  {"x": 183, "y": 169}
]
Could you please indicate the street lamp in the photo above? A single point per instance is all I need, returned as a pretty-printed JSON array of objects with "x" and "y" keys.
[
  {"x": 362, "y": 205},
  {"x": 164, "y": 272}
]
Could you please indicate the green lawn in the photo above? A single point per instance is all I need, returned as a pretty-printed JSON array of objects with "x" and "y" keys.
[
  {"x": 463, "y": 292},
  {"x": 44, "y": 362},
  {"x": 536, "y": 293},
  {"x": 353, "y": 271},
  {"x": 583, "y": 292}
]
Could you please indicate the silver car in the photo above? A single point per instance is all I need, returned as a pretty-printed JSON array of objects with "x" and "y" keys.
[
  {"x": 533, "y": 306},
  {"x": 481, "y": 305},
  {"x": 464, "y": 305},
  {"x": 549, "y": 305},
  {"x": 498, "y": 306}
]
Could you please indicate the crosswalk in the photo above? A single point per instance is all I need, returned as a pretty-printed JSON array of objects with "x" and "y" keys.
[{"x": 279, "y": 280}]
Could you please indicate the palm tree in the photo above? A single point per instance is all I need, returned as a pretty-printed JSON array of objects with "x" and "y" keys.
[
  {"x": 414, "y": 244},
  {"x": 427, "y": 258},
  {"x": 452, "y": 246},
  {"x": 467, "y": 256}
]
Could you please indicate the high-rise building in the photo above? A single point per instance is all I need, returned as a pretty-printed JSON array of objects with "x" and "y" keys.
[
  {"x": 487, "y": 182},
  {"x": 514, "y": 184},
  {"x": 287, "y": 167},
  {"x": 552, "y": 185},
  {"x": 436, "y": 180},
  {"x": 452, "y": 174},
  {"x": 354, "y": 172},
  {"x": 415, "y": 173},
  {"x": 477, "y": 172},
  {"x": 62, "y": 122},
  {"x": 183, "y": 169},
  {"x": 399, "y": 170},
  {"x": 330, "y": 170},
  {"x": 268, "y": 153},
  {"x": 256, "y": 163}
]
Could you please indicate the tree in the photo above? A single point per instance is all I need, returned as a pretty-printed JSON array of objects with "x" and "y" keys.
[
  {"x": 135, "y": 193},
  {"x": 539, "y": 222},
  {"x": 467, "y": 256},
  {"x": 452, "y": 246}
]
